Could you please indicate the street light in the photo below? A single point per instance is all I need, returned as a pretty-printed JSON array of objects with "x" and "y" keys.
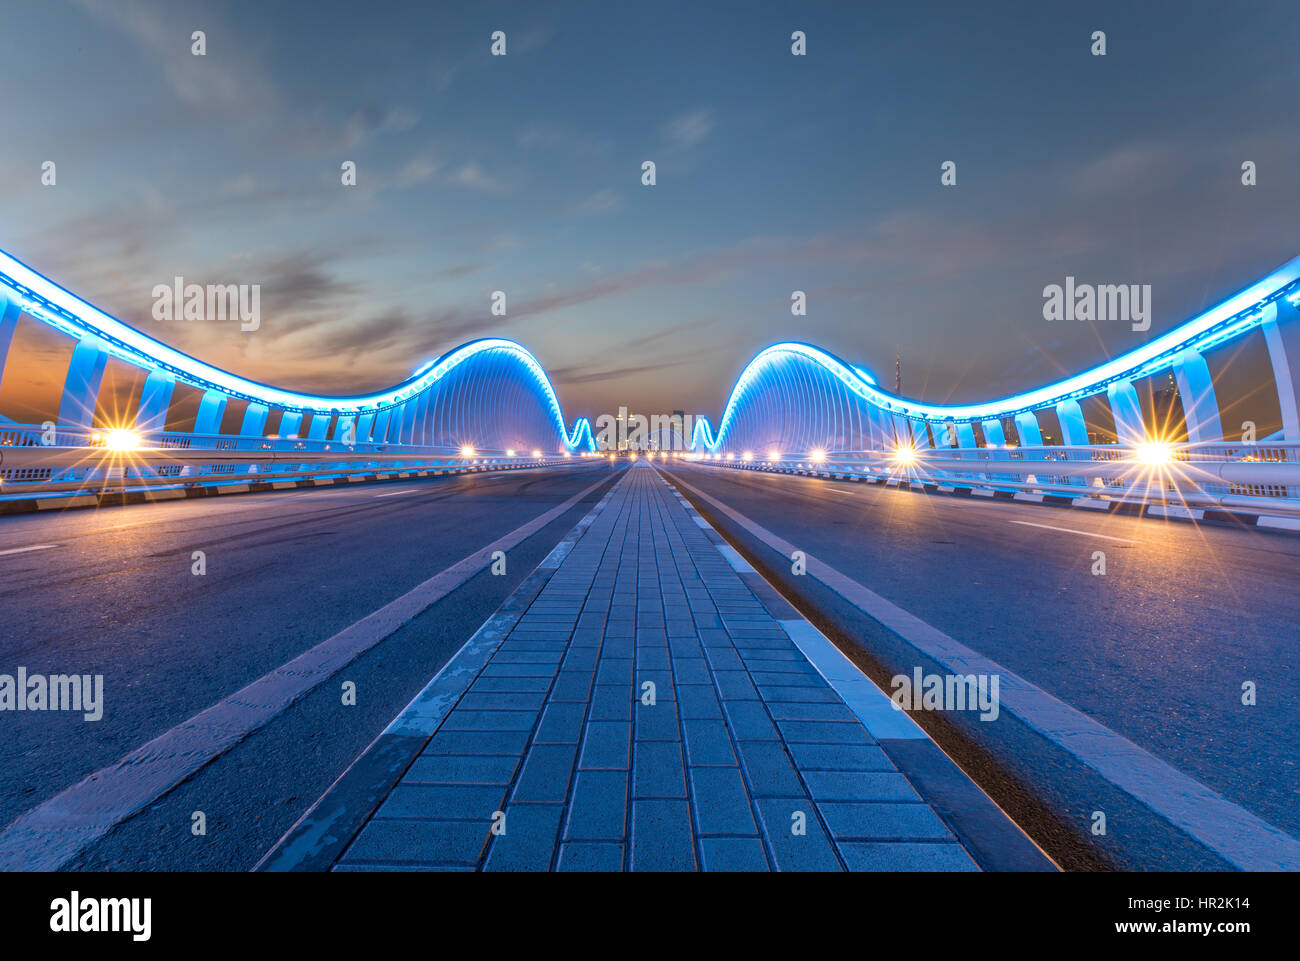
[
  {"x": 904, "y": 455},
  {"x": 1155, "y": 453}
]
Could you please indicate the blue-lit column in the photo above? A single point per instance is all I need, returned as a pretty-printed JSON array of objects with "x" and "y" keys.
[
  {"x": 994, "y": 435},
  {"x": 1127, "y": 412},
  {"x": 920, "y": 436},
  {"x": 409, "y": 410},
  {"x": 1281, "y": 328},
  {"x": 320, "y": 424},
  {"x": 380, "y": 434},
  {"x": 1200, "y": 406},
  {"x": 81, "y": 388},
  {"x": 1027, "y": 426},
  {"x": 395, "y": 423},
  {"x": 155, "y": 401},
  {"x": 290, "y": 423},
  {"x": 364, "y": 423},
  {"x": 9, "y": 311},
  {"x": 212, "y": 408},
  {"x": 254, "y": 424},
  {"x": 345, "y": 426},
  {"x": 1074, "y": 430},
  {"x": 965, "y": 435}
]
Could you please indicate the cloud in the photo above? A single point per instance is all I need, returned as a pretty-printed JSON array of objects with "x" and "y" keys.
[
  {"x": 564, "y": 140},
  {"x": 688, "y": 130},
  {"x": 472, "y": 176},
  {"x": 232, "y": 80},
  {"x": 601, "y": 202}
]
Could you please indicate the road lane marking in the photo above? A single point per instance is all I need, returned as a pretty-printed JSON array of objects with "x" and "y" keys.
[
  {"x": 1071, "y": 530},
  {"x": 24, "y": 550},
  {"x": 1241, "y": 838},
  {"x": 57, "y": 830},
  {"x": 841, "y": 490},
  {"x": 395, "y": 493}
]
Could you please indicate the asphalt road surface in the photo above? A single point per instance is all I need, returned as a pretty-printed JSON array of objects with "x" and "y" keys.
[{"x": 113, "y": 592}]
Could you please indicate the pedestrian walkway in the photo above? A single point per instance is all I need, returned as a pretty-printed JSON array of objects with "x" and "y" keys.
[{"x": 647, "y": 711}]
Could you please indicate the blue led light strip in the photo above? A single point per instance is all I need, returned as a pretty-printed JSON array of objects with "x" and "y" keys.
[
  {"x": 46, "y": 301},
  {"x": 1233, "y": 317}
]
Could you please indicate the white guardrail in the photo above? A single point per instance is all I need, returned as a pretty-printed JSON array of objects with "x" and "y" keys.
[
  {"x": 35, "y": 460},
  {"x": 1261, "y": 478}
]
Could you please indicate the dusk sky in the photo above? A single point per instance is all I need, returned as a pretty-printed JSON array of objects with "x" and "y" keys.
[{"x": 774, "y": 173}]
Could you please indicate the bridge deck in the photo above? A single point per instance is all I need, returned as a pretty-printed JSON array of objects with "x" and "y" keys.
[{"x": 745, "y": 741}]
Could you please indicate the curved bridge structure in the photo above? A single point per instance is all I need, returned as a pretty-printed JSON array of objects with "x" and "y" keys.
[
  {"x": 487, "y": 403},
  {"x": 796, "y": 406}
]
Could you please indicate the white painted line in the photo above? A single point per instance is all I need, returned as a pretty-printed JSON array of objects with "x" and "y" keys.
[
  {"x": 841, "y": 490},
  {"x": 738, "y": 563},
  {"x": 1071, "y": 530},
  {"x": 395, "y": 493},
  {"x": 54, "y": 832},
  {"x": 1243, "y": 839},
  {"x": 1281, "y": 523},
  {"x": 872, "y": 706},
  {"x": 24, "y": 550}
]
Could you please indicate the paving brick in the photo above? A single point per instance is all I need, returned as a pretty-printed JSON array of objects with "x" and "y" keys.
[
  {"x": 876, "y": 856},
  {"x": 478, "y": 742},
  {"x": 721, "y": 801},
  {"x": 657, "y": 770},
  {"x": 840, "y": 757},
  {"x": 733, "y": 854},
  {"x": 425, "y": 841},
  {"x": 561, "y": 723},
  {"x": 461, "y": 802},
  {"x": 611, "y": 702},
  {"x": 461, "y": 769},
  {"x": 707, "y": 742},
  {"x": 859, "y": 786},
  {"x": 529, "y": 841},
  {"x": 769, "y": 769},
  {"x": 606, "y": 744},
  {"x": 598, "y": 810},
  {"x": 545, "y": 776},
  {"x": 880, "y": 821},
  {"x": 749, "y": 721},
  {"x": 697, "y": 701},
  {"x": 811, "y": 851},
  {"x": 662, "y": 839},
  {"x": 591, "y": 856}
]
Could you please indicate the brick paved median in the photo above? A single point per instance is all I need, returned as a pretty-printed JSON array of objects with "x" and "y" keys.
[{"x": 647, "y": 713}]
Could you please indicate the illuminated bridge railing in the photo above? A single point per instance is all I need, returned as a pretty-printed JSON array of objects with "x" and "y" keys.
[
  {"x": 1259, "y": 479},
  {"x": 798, "y": 404},
  {"x": 487, "y": 404}
]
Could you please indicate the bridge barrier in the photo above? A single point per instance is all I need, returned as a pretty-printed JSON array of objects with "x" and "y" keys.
[{"x": 1261, "y": 478}]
